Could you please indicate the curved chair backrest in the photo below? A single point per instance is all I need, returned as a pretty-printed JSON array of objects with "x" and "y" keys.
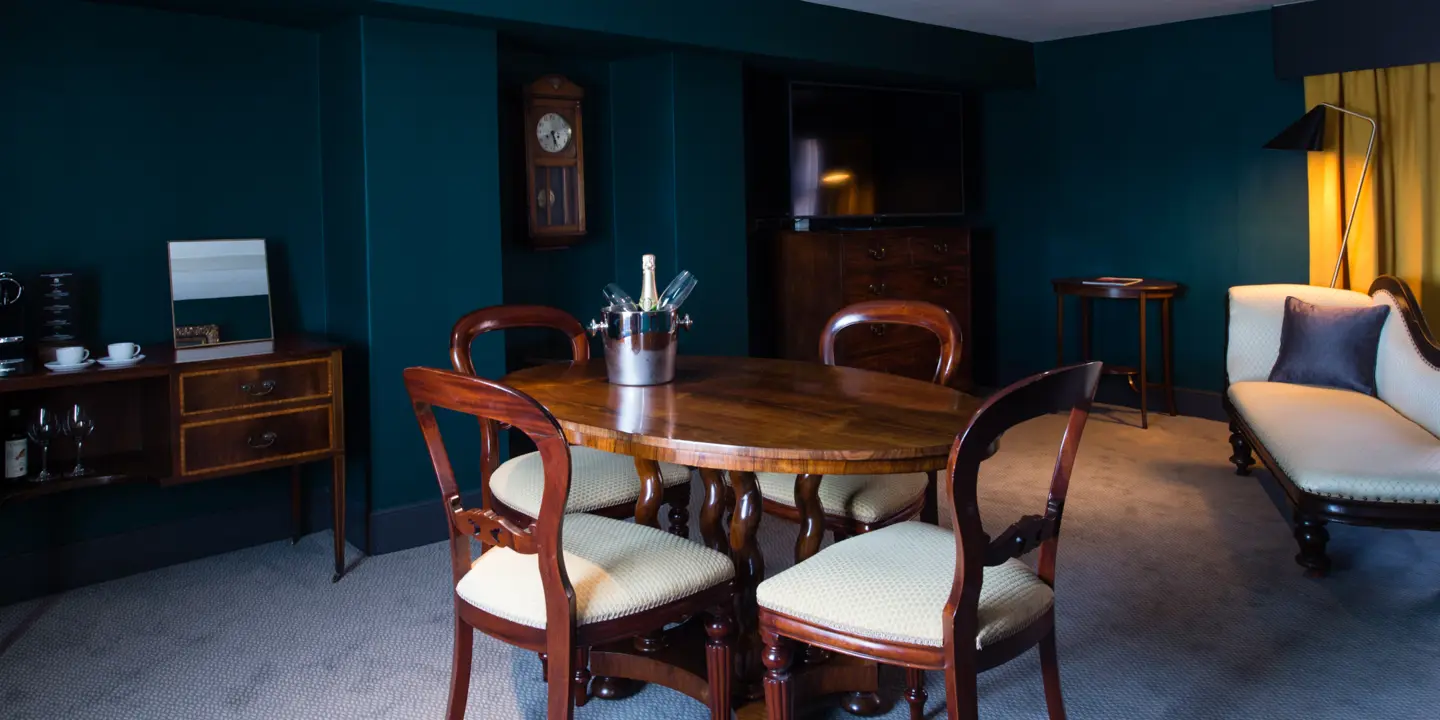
[
  {"x": 492, "y": 401},
  {"x": 1070, "y": 389},
  {"x": 915, "y": 313},
  {"x": 504, "y": 317}
]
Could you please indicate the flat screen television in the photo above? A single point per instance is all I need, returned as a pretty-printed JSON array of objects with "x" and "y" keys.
[{"x": 875, "y": 152}]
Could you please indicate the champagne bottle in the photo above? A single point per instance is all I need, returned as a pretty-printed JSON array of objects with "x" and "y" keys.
[{"x": 649, "y": 298}]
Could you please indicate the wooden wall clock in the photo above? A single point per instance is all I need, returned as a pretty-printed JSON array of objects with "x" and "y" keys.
[{"x": 554, "y": 161}]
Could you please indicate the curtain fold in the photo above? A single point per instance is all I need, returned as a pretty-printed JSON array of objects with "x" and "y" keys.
[{"x": 1397, "y": 227}]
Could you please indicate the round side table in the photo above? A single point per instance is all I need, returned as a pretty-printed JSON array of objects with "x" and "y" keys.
[{"x": 1087, "y": 289}]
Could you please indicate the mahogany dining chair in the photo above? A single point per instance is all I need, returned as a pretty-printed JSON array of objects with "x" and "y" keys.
[
  {"x": 854, "y": 504},
  {"x": 606, "y": 484},
  {"x": 926, "y": 598},
  {"x": 565, "y": 583}
]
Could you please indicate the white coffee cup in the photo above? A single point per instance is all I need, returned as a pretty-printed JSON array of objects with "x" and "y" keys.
[
  {"x": 123, "y": 351},
  {"x": 73, "y": 355}
]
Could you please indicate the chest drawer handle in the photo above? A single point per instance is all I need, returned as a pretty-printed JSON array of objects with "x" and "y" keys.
[
  {"x": 877, "y": 289},
  {"x": 260, "y": 389},
  {"x": 265, "y": 440},
  {"x": 940, "y": 280},
  {"x": 942, "y": 248},
  {"x": 877, "y": 330},
  {"x": 877, "y": 253}
]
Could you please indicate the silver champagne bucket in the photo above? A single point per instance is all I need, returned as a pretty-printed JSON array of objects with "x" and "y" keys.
[{"x": 640, "y": 346}]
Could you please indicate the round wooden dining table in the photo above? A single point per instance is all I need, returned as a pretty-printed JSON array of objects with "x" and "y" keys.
[{"x": 749, "y": 415}]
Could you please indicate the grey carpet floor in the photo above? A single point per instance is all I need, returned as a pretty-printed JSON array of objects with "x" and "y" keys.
[{"x": 1177, "y": 598}]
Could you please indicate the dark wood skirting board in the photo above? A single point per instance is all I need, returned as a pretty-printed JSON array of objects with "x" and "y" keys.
[
  {"x": 66, "y": 567},
  {"x": 1193, "y": 403},
  {"x": 410, "y": 526}
]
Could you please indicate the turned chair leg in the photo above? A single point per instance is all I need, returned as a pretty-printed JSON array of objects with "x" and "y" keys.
[
  {"x": 915, "y": 692},
  {"x": 1242, "y": 457},
  {"x": 719, "y": 661},
  {"x": 1050, "y": 671},
  {"x": 580, "y": 684},
  {"x": 1312, "y": 536},
  {"x": 460, "y": 669},
  {"x": 779, "y": 686},
  {"x": 544, "y": 667}
]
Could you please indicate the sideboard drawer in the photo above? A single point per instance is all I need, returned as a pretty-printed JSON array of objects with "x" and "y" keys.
[
  {"x": 252, "y": 385},
  {"x": 214, "y": 445}
]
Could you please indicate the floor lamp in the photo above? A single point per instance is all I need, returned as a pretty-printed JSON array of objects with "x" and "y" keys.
[{"x": 1308, "y": 133}]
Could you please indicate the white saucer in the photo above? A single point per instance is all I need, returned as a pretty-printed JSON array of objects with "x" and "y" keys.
[
  {"x": 108, "y": 361},
  {"x": 57, "y": 367}
]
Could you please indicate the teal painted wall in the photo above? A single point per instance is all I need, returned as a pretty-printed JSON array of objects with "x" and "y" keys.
[
  {"x": 1139, "y": 153},
  {"x": 122, "y": 129},
  {"x": 432, "y": 197}
]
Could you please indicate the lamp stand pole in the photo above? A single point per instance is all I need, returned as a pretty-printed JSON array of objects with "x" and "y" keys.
[{"x": 1350, "y": 224}]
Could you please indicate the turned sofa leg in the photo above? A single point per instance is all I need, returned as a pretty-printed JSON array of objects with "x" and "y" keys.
[
  {"x": 1312, "y": 536},
  {"x": 1242, "y": 457}
]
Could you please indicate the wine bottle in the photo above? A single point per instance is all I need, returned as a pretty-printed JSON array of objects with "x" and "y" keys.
[
  {"x": 649, "y": 298},
  {"x": 17, "y": 463}
]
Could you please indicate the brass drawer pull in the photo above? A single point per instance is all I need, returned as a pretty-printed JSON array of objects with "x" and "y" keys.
[
  {"x": 940, "y": 280},
  {"x": 877, "y": 330},
  {"x": 942, "y": 247},
  {"x": 266, "y": 439},
  {"x": 877, "y": 289},
  {"x": 260, "y": 389},
  {"x": 877, "y": 253}
]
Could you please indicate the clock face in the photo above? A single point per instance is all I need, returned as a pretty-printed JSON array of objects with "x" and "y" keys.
[{"x": 553, "y": 132}]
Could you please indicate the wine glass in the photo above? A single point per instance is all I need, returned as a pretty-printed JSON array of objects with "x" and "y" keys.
[
  {"x": 41, "y": 432},
  {"x": 78, "y": 425}
]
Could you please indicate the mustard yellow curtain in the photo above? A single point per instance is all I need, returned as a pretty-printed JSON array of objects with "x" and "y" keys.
[{"x": 1397, "y": 227}]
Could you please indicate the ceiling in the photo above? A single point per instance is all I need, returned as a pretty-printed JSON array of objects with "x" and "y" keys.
[{"x": 1037, "y": 20}]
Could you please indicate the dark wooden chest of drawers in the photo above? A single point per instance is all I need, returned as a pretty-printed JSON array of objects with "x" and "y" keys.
[{"x": 820, "y": 272}]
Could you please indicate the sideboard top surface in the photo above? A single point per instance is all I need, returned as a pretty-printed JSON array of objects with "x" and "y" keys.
[{"x": 160, "y": 362}]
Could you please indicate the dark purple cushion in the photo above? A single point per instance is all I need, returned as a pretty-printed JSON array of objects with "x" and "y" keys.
[{"x": 1329, "y": 346}]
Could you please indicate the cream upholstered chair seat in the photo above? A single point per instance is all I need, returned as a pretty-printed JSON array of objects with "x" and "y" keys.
[
  {"x": 865, "y": 498},
  {"x": 1342, "y": 443},
  {"x": 892, "y": 584},
  {"x": 598, "y": 479},
  {"x": 617, "y": 568}
]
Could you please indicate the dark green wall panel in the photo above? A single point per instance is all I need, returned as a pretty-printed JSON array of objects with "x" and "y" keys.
[
  {"x": 1139, "y": 154},
  {"x": 124, "y": 128},
  {"x": 710, "y": 200},
  {"x": 434, "y": 235}
]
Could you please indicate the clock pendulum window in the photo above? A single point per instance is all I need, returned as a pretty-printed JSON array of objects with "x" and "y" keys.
[{"x": 555, "y": 161}]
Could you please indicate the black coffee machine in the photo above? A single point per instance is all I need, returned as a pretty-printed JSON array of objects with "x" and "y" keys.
[{"x": 12, "y": 325}]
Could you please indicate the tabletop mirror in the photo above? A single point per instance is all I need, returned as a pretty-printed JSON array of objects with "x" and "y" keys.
[{"x": 219, "y": 292}]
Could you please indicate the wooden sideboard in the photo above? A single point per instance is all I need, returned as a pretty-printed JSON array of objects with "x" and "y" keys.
[
  {"x": 176, "y": 418},
  {"x": 819, "y": 272}
]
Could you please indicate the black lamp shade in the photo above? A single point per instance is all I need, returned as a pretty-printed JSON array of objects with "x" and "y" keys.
[{"x": 1307, "y": 133}]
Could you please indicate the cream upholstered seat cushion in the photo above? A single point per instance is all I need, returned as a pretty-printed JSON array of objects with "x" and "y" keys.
[
  {"x": 866, "y": 498},
  {"x": 598, "y": 479},
  {"x": 617, "y": 568},
  {"x": 1342, "y": 443},
  {"x": 892, "y": 585}
]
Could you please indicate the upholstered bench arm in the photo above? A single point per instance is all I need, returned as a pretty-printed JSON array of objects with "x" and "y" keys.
[{"x": 1256, "y": 313}]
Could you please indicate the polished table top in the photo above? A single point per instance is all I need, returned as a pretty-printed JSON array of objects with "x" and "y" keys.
[{"x": 758, "y": 415}]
